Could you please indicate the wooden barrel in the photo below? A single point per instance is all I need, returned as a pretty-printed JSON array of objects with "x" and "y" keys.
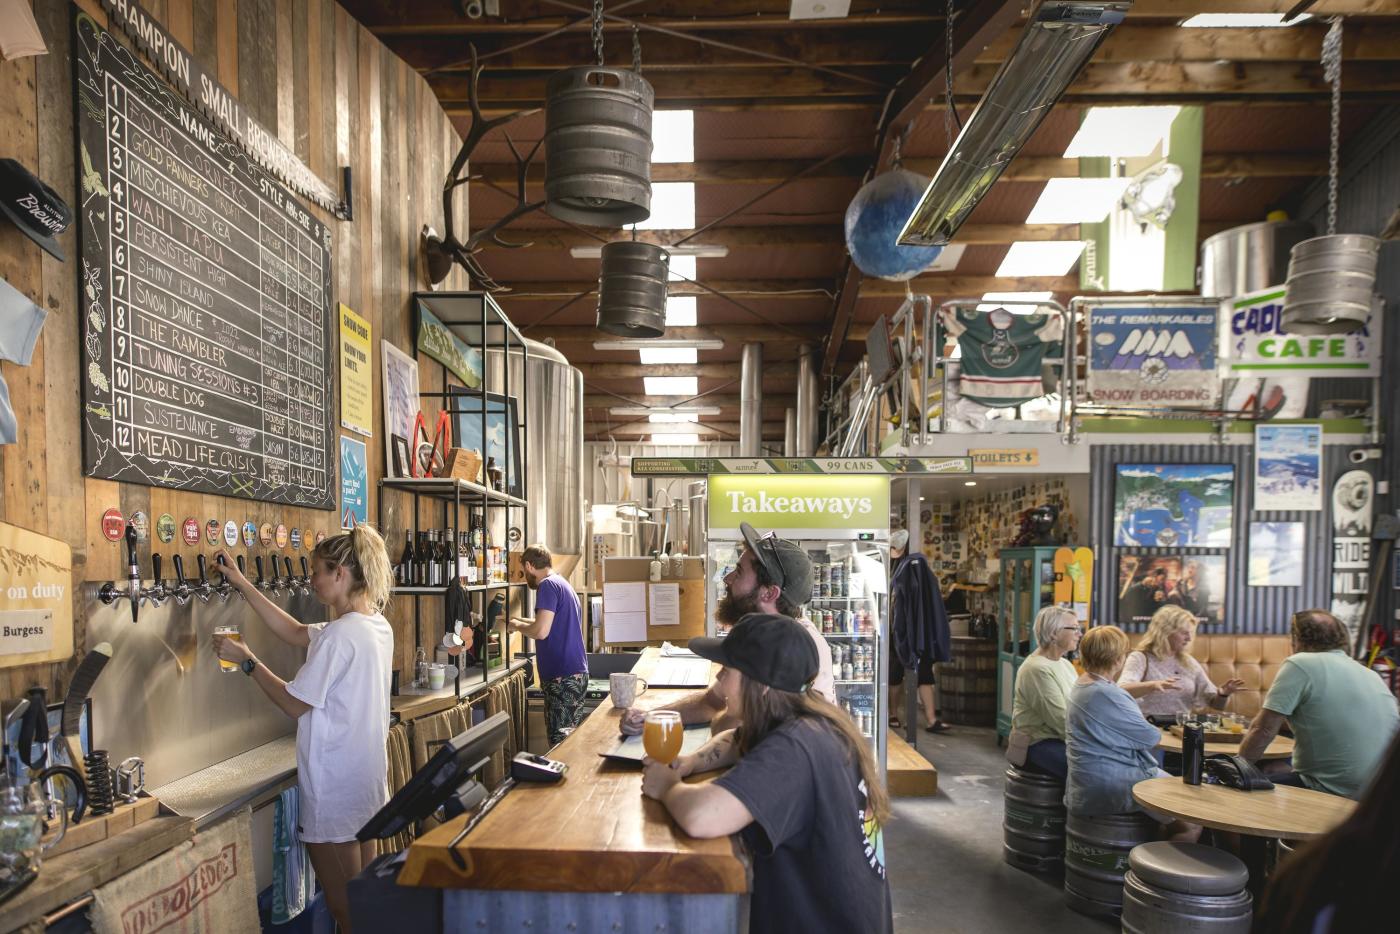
[{"x": 967, "y": 685}]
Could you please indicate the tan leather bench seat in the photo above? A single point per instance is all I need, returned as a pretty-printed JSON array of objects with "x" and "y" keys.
[{"x": 1254, "y": 659}]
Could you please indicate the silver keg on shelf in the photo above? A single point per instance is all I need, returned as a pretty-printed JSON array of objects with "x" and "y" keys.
[
  {"x": 598, "y": 146},
  {"x": 1330, "y": 284},
  {"x": 1249, "y": 258}
]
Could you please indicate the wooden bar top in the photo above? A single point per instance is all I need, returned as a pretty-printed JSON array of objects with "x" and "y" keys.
[{"x": 591, "y": 832}]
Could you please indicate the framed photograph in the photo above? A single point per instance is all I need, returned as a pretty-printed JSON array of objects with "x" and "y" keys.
[
  {"x": 1275, "y": 554},
  {"x": 399, "y": 458},
  {"x": 1173, "y": 505},
  {"x": 1146, "y": 583},
  {"x": 400, "y": 398},
  {"x": 502, "y": 431},
  {"x": 1287, "y": 467}
]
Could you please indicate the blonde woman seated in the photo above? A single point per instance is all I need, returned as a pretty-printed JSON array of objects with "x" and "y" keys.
[
  {"x": 1043, "y": 684},
  {"x": 1108, "y": 743},
  {"x": 1163, "y": 676}
]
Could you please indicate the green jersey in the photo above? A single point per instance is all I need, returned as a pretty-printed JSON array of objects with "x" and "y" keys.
[{"x": 1002, "y": 353}]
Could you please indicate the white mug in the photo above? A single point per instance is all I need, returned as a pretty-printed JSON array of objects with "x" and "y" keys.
[{"x": 624, "y": 689}]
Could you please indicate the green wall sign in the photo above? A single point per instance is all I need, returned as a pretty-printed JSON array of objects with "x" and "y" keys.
[{"x": 798, "y": 503}]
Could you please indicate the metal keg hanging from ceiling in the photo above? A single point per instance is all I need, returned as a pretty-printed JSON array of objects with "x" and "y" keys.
[
  {"x": 632, "y": 289},
  {"x": 598, "y": 140},
  {"x": 1331, "y": 278}
]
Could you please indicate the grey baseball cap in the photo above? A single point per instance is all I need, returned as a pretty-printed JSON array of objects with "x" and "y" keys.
[{"x": 784, "y": 561}]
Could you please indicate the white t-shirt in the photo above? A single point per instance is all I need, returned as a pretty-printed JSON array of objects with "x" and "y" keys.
[
  {"x": 342, "y": 757},
  {"x": 824, "y": 685}
]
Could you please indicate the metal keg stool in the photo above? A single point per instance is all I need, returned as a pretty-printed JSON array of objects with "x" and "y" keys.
[
  {"x": 1033, "y": 820},
  {"x": 1185, "y": 888},
  {"x": 1096, "y": 858}
]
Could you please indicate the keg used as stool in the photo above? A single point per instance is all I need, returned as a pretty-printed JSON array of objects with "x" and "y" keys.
[
  {"x": 1185, "y": 888},
  {"x": 1096, "y": 858},
  {"x": 1033, "y": 820}
]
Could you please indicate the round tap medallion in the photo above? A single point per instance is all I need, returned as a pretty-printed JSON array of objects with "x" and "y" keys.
[
  {"x": 113, "y": 525},
  {"x": 165, "y": 528},
  {"x": 214, "y": 531},
  {"x": 190, "y": 530},
  {"x": 142, "y": 523},
  {"x": 280, "y": 535},
  {"x": 250, "y": 534},
  {"x": 265, "y": 534},
  {"x": 296, "y": 538},
  {"x": 230, "y": 533}
]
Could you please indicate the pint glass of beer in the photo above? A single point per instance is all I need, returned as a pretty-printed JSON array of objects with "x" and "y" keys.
[
  {"x": 662, "y": 733},
  {"x": 228, "y": 632}
]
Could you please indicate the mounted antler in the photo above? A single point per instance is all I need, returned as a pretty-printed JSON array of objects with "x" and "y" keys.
[{"x": 449, "y": 249}]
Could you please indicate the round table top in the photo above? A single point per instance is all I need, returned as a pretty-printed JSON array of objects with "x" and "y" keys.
[
  {"x": 1280, "y": 748},
  {"x": 1285, "y": 812}
]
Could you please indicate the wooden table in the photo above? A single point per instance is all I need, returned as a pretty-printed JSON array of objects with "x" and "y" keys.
[
  {"x": 1280, "y": 748},
  {"x": 576, "y": 844}
]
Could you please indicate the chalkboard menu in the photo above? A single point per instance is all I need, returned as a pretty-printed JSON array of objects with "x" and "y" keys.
[{"x": 206, "y": 289}]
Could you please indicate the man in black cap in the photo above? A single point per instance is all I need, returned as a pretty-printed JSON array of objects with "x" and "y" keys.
[{"x": 773, "y": 576}]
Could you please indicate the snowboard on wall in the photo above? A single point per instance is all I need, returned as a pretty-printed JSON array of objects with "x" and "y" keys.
[
  {"x": 1353, "y": 495},
  {"x": 1082, "y": 573}
]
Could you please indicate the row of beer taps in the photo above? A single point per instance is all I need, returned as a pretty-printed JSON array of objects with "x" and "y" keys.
[{"x": 182, "y": 590}]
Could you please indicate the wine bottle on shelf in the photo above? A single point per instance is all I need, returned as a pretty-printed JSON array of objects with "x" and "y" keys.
[
  {"x": 483, "y": 545},
  {"x": 464, "y": 559},
  {"x": 421, "y": 573},
  {"x": 403, "y": 574}
]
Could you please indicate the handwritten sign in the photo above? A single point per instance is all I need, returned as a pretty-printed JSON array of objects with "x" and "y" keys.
[{"x": 36, "y": 598}]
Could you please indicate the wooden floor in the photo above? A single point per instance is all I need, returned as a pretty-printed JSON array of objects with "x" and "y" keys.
[{"x": 907, "y": 773}]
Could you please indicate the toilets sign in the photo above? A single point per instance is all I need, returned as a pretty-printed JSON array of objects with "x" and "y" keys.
[
  {"x": 1255, "y": 343},
  {"x": 791, "y": 504}
]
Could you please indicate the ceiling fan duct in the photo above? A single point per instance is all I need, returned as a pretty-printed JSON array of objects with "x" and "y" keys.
[
  {"x": 632, "y": 289},
  {"x": 1060, "y": 37},
  {"x": 597, "y": 146}
]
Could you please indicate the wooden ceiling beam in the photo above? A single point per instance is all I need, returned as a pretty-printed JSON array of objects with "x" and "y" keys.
[
  {"x": 941, "y": 287},
  {"x": 1180, "y": 9},
  {"x": 1167, "y": 42},
  {"x": 601, "y": 371}
]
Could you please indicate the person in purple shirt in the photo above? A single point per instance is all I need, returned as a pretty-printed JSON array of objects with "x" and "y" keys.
[{"x": 560, "y": 661}]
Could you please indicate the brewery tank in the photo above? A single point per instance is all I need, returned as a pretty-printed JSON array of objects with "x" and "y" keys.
[
  {"x": 1249, "y": 258},
  {"x": 552, "y": 416}
]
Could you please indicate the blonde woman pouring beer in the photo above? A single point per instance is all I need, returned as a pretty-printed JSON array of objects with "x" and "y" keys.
[{"x": 339, "y": 698}]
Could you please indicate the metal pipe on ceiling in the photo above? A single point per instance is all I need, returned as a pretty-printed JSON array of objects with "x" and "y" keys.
[
  {"x": 790, "y": 432},
  {"x": 751, "y": 401},
  {"x": 807, "y": 400}
]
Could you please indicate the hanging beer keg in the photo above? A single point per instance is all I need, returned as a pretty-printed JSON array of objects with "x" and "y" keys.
[
  {"x": 598, "y": 146},
  {"x": 1329, "y": 285},
  {"x": 632, "y": 289}
]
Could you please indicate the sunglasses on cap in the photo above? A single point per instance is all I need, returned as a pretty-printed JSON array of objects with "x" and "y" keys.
[{"x": 769, "y": 540}]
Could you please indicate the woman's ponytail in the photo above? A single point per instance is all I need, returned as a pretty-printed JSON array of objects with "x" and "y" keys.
[{"x": 362, "y": 550}]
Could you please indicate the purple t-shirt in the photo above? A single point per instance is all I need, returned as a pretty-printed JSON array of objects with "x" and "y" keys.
[{"x": 560, "y": 654}]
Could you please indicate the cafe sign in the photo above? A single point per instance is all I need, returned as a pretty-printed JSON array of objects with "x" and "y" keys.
[
  {"x": 1256, "y": 344},
  {"x": 798, "y": 505},
  {"x": 36, "y": 598}
]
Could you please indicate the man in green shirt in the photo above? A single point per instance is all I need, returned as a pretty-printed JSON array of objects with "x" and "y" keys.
[{"x": 1341, "y": 713}]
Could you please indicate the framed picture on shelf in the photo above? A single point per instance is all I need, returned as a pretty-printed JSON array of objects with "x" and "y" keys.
[
  {"x": 502, "y": 425},
  {"x": 399, "y": 458}
]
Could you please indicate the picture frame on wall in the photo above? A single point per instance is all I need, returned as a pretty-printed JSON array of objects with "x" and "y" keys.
[
  {"x": 1276, "y": 554},
  {"x": 1173, "y": 505},
  {"x": 1148, "y": 582},
  {"x": 502, "y": 425},
  {"x": 400, "y": 399},
  {"x": 399, "y": 456}
]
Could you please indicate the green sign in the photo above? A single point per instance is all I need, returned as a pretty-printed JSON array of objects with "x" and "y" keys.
[
  {"x": 435, "y": 340},
  {"x": 798, "y": 503},
  {"x": 825, "y": 466}
]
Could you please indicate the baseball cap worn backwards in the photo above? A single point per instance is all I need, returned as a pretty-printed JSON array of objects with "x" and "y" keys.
[
  {"x": 784, "y": 561},
  {"x": 771, "y": 649}
]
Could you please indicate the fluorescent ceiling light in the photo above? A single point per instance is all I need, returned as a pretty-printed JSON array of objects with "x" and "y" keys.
[
  {"x": 676, "y": 417},
  {"x": 1237, "y": 20},
  {"x": 687, "y": 386},
  {"x": 672, "y": 207},
  {"x": 819, "y": 9},
  {"x": 1040, "y": 258},
  {"x": 677, "y": 438},
  {"x": 673, "y": 136},
  {"x": 669, "y": 355},
  {"x": 685, "y": 250},
  {"x": 1077, "y": 200},
  {"x": 642, "y": 410},
  {"x": 994, "y": 300},
  {"x": 654, "y": 343},
  {"x": 680, "y": 309},
  {"x": 1121, "y": 131},
  {"x": 969, "y": 483}
]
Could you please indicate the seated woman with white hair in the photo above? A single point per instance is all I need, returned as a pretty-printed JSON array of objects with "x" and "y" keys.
[{"x": 1043, "y": 684}]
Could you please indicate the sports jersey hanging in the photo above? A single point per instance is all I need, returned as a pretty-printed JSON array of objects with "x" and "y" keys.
[
  {"x": 1002, "y": 353},
  {"x": 1154, "y": 356}
]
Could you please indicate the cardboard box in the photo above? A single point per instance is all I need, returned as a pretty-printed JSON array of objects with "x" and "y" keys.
[{"x": 463, "y": 464}]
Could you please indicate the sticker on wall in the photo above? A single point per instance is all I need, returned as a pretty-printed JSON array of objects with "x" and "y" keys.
[
  {"x": 230, "y": 533},
  {"x": 280, "y": 535},
  {"x": 165, "y": 528},
  {"x": 250, "y": 534},
  {"x": 265, "y": 534},
  {"x": 214, "y": 531},
  {"x": 296, "y": 538},
  {"x": 189, "y": 530},
  {"x": 113, "y": 525},
  {"x": 142, "y": 524}
]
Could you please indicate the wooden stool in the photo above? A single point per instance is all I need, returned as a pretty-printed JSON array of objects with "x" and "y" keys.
[{"x": 1175, "y": 887}]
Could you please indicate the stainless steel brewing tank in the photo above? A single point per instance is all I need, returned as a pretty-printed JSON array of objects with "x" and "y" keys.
[
  {"x": 553, "y": 440},
  {"x": 1249, "y": 258}
]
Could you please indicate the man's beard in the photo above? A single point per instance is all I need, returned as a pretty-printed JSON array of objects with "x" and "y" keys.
[{"x": 731, "y": 609}]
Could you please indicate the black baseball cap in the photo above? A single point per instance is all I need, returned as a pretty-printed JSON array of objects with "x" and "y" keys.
[
  {"x": 784, "y": 561},
  {"x": 35, "y": 208},
  {"x": 771, "y": 649}
]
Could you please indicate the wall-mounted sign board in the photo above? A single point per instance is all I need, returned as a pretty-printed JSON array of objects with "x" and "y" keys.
[
  {"x": 36, "y": 598},
  {"x": 206, "y": 312}
]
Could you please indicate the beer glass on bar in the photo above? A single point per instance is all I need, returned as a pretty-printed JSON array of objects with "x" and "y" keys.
[
  {"x": 228, "y": 632},
  {"x": 662, "y": 733}
]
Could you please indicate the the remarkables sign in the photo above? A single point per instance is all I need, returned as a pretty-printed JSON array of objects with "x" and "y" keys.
[{"x": 788, "y": 502}]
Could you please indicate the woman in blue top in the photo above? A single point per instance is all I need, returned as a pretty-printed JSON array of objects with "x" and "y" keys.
[{"x": 1109, "y": 745}]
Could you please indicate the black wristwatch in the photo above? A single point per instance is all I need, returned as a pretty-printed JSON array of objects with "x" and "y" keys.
[{"x": 248, "y": 665}]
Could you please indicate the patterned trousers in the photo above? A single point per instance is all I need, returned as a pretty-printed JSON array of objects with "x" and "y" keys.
[{"x": 563, "y": 704}]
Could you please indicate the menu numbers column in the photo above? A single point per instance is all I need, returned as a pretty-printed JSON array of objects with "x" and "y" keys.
[{"x": 119, "y": 249}]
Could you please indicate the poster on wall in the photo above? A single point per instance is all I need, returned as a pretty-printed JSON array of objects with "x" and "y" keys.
[
  {"x": 1275, "y": 554},
  {"x": 354, "y": 483},
  {"x": 1288, "y": 467},
  {"x": 1147, "y": 583},
  {"x": 1173, "y": 505},
  {"x": 1352, "y": 497},
  {"x": 1159, "y": 356},
  {"x": 1255, "y": 343},
  {"x": 437, "y": 341},
  {"x": 400, "y": 401},
  {"x": 356, "y": 374}
]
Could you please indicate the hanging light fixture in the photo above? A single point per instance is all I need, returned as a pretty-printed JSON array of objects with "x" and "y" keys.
[
  {"x": 1331, "y": 278},
  {"x": 632, "y": 289},
  {"x": 598, "y": 140}
]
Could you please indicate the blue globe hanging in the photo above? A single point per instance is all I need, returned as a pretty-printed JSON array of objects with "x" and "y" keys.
[{"x": 874, "y": 219}]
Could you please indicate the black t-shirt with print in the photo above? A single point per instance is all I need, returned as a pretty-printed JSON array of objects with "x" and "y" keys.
[{"x": 818, "y": 860}]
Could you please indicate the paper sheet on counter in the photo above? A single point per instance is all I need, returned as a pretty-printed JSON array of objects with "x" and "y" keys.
[
  {"x": 664, "y": 602},
  {"x": 625, "y": 612}
]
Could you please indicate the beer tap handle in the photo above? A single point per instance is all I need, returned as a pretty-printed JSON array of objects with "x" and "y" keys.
[
  {"x": 241, "y": 569},
  {"x": 203, "y": 589},
  {"x": 157, "y": 592},
  {"x": 291, "y": 576},
  {"x": 224, "y": 588},
  {"x": 305, "y": 574},
  {"x": 182, "y": 586},
  {"x": 259, "y": 583},
  {"x": 133, "y": 564}
]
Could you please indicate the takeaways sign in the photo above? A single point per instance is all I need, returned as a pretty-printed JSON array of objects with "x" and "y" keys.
[
  {"x": 792, "y": 504},
  {"x": 1256, "y": 344}
]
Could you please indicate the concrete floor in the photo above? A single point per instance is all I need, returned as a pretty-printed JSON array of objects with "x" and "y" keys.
[{"x": 944, "y": 853}]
